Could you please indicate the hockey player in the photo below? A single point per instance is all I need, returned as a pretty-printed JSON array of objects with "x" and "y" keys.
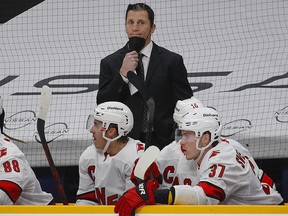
[
  {"x": 177, "y": 170},
  {"x": 86, "y": 190},
  {"x": 112, "y": 122},
  {"x": 173, "y": 166},
  {"x": 171, "y": 163},
  {"x": 225, "y": 175},
  {"x": 18, "y": 183}
]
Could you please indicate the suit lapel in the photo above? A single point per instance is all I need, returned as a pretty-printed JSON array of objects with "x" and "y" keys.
[
  {"x": 124, "y": 50},
  {"x": 154, "y": 62}
]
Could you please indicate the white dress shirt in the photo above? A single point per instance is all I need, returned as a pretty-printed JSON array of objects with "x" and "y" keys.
[{"x": 145, "y": 60}]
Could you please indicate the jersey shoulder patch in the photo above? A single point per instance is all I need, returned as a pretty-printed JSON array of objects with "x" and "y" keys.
[
  {"x": 214, "y": 153},
  {"x": 140, "y": 147}
]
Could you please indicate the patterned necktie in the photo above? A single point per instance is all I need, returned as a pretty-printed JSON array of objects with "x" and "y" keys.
[
  {"x": 140, "y": 67},
  {"x": 140, "y": 73}
]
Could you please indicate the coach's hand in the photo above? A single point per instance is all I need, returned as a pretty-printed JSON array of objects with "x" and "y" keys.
[
  {"x": 136, "y": 197},
  {"x": 152, "y": 172}
]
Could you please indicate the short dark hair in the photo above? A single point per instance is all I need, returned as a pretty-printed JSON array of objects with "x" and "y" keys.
[
  {"x": 122, "y": 139},
  {"x": 215, "y": 142},
  {"x": 139, "y": 7}
]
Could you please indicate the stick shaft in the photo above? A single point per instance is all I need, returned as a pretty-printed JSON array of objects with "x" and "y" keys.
[{"x": 44, "y": 105}]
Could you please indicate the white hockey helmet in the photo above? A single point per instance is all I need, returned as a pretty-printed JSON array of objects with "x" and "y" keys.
[
  {"x": 184, "y": 106},
  {"x": 113, "y": 112},
  {"x": 201, "y": 120}
]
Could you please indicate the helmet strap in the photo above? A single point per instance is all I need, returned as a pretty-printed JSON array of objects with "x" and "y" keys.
[
  {"x": 106, "y": 146},
  {"x": 202, "y": 149},
  {"x": 108, "y": 141}
]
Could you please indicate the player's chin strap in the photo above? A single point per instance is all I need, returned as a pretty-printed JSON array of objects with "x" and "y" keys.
[
  {"x": 108, "y": 141},
  {"x": 106, "y": 146},
  {"x": 202, "y": 149}
]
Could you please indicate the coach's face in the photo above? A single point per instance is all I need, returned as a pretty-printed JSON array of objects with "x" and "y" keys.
[
  {"x": 97, "y": 134},
  {"x": 138, "y": 25}
]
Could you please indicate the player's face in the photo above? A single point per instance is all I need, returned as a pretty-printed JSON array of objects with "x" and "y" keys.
[
  {"x": 188, "y": 145},
  {"x": 138, "y": 25},
  {"x": 97, "y": 134}
]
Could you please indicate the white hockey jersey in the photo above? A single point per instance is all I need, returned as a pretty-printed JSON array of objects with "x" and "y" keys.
[
  {"x": 86, "y": 190},
  {"x": 18, "y": 183},
  {"x": 112, "y": 174},
  {"x": 187, "y": 172},
  {"x": 262, "y": 176},
  {"x": 227, "y": 176},
  {"x": 175, "y": 168}
]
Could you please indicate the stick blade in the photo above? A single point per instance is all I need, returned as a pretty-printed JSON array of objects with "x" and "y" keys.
[
  {"x": 45, "y": 100},
  {"x": 149, "y": 156}
]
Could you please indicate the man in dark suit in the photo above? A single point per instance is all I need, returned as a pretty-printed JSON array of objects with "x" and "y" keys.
[{"x": 165, "y": 77}]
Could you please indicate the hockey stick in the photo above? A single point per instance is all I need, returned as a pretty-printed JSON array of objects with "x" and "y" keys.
[
  {"x": 139, "y": 84},
  {"x": 45, "y": 99},
  {"x": 147, "y": 158}
]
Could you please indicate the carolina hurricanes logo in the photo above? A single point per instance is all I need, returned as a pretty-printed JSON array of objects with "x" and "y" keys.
[
  {"x": 214, "y": 153},
  {"x": 3, "y": 152},
  {"x": 140, "y": 147}
]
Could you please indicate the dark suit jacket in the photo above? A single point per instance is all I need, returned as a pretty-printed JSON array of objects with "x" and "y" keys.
[{"x": 166, "y": 80}]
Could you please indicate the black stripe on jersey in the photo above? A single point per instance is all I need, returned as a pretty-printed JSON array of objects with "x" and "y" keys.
[
  {"x": 12, "y": 190},
  {"x": 212, "y": 190}
]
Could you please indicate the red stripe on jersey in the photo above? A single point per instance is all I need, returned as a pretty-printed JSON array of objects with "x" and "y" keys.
[
  {"x": 266, "y": 179},
  {"x": 225, "y": 140},
  {"x": 88, "y": 196},
  {"x": 6, "y": 139},
  {"x": 12, "y": 190},
  {"x": 212, "y": 191}
]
